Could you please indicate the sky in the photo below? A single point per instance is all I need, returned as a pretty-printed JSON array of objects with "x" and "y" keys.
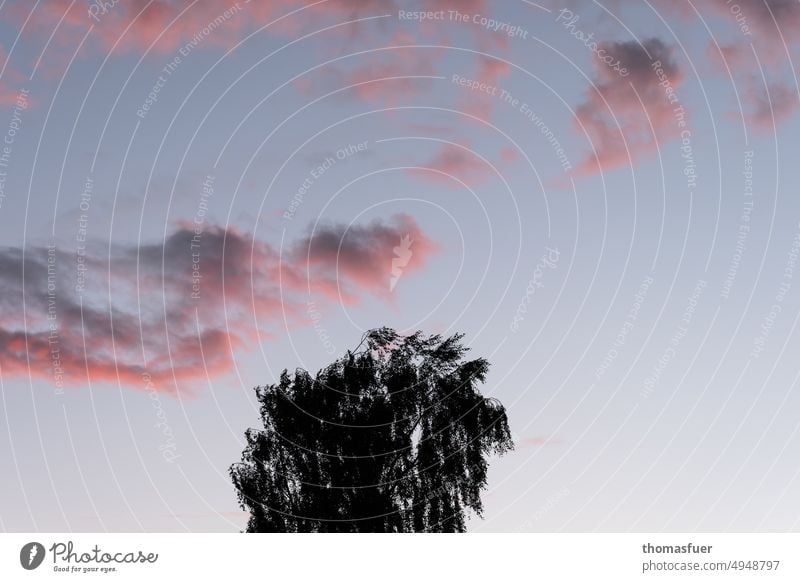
[{"x": 195, "y": 196}]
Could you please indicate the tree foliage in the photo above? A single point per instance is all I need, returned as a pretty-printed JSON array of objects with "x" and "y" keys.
[{"x": 392, "y": 437}]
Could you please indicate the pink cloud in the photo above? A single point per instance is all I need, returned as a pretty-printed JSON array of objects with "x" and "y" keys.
[
  {"x": 768, "y": 106},
  {"x": 764, "y": 18},
  {"x": 11, "y": 82},
  {"x": 453, "y": 161},
  {"x": 621, "y": 114},
  {"x": 727, "y": 57},
  {"x": 508, "y": 154},
  {"x": 764, "y": 34},
  {"x": 457, "y": 162},
  {"x": 180, "y": 310},
  {"x": 482, "y": 105},
  {"x": 466, "y": 6},
  {"x": 779, "y": 99},
  {"x": 751, "y": 17},
  {"x": 768, "y": 28},
  {"x": 343, "y": 262},
  {"x": 391, "y": 76},
  {"x": 165, "y": 25}
]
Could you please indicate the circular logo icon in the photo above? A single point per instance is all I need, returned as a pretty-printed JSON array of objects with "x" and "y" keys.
[{"x": 31, "y": 555}]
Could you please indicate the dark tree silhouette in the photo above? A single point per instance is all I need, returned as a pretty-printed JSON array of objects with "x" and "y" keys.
[{"x": 391, "y": 437}]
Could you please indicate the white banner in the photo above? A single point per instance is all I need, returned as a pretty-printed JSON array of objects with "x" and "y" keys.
[{"x": 375, "y": 557}]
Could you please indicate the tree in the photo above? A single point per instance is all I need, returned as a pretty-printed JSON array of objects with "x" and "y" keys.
[{"x": 391, "y": 437}]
